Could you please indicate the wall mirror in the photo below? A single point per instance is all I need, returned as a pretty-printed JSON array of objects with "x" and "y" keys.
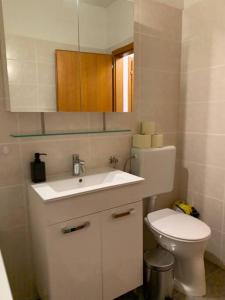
[{"x": 69, "y": 55}]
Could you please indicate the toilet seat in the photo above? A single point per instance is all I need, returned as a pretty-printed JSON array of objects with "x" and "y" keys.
[{"x": 178, "y": 226}]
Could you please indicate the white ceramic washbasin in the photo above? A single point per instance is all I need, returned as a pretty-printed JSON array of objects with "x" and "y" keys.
[{"x": 73, "y": 186}]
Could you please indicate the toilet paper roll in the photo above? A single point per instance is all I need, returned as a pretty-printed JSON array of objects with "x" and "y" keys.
[
  {"x": 157, "y": 140},
  {"x": 148, "y": 128},
  {"x": 142, "y": 141}
]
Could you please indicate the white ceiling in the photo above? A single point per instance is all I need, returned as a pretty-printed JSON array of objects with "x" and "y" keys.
[{"x": 103, "y": 3}]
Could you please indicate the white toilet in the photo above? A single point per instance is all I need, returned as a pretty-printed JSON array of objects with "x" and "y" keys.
[{"x": 186, "y": 237}]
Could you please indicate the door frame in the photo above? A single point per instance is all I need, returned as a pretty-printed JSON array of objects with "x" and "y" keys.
[{"x": 117, "y": 54}]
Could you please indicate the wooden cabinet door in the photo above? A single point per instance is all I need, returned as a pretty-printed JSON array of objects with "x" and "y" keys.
[
  {"x": 74, "y": 258},
  {"x": 96, "y": 82},
  {"x": 118, "y": 84},
  {"x": 120, "y": 88},
  {"x": 122, "y": 238},
  {"x": 68, "y": 81},
  {"x": 130, "y": 82}
]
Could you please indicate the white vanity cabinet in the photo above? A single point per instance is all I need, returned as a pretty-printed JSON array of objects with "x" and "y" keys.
[
  {"x": 121, "y": 249},
  {"x": 75, "y": 259},
  {"x": 88, "y": 247}
]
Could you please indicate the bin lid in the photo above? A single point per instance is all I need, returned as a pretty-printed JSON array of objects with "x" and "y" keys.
[{"x": 159, "y": 259}]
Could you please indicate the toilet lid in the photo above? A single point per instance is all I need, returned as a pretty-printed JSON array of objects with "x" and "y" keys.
[{"x": 178, "y": 225}]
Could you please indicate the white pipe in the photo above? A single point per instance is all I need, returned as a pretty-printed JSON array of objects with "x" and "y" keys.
[{"x": 152, "y": 203}]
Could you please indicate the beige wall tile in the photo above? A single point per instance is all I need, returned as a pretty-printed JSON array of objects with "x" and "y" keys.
[
  {"x": 9, "y": 126},
  {"x": 21, "y": 48},
  {"x": 206, "y": 180},
  {"x": 96, "y": 121},
  {"x": 203, "y": 19},
  {"x": 203, "y": 85},
  {"x": 46, "y": 74},
  {"x": 29, "y": 123},
  {"x": 201, "y": 114},
  {"x": 16, "y": 252},
  {"x": 10, "y": 162},
  {"x": 170, "y": 139},
  {"x": 158, "y": 54},
  {"x": 203, "y": 117},
  {"x": 121, "y": 121},
  {"x": 22, "y": 72},
  {"x": 159, "y": 96},
  {"x": 23, "y": 97},
  {"x": 45, "y": 50},
  {"x": 203, "y": 52},
  {"x": 13, "y": 207},
  {"x": 160, "y": 20},
  {"x": 47, "y": 98},
  {"x": 203, "y": 149},
  {"x": 66, "y": 121},
  {"x": 59, "y": 158},
  {"x": 2, "y": 93},
  {"x": 104, "y": 147},
  {"x": 215, "y": 244},
  {"x": 157, "y": 85},
  {"x": 210, "y": 209},
  {"x": 198, "y": 19}
]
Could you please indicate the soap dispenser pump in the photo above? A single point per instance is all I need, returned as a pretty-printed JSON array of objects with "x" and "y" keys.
[{"x": 38, "y": 173}]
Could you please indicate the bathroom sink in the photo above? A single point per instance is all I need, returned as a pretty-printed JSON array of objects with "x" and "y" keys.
[{"x": 94, "y": 181}]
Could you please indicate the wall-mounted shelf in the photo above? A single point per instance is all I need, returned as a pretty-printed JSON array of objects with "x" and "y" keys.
[{"x": 68, "y": 133}]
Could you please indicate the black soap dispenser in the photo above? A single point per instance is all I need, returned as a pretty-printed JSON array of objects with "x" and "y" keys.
[{"x": 38, "y": 173}]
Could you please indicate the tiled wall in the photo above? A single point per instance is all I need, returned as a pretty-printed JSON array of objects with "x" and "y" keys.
[
  {"x": 31, "y": 76},
  {"x": 202, "y": 122},
  {"x": 157, "y": 92},
  {"x": 158, "y": 49},
  {"x": 31, "y": 53}
]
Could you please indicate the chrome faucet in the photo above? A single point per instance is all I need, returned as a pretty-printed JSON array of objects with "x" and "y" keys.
[{"x": 78, "y": 166}]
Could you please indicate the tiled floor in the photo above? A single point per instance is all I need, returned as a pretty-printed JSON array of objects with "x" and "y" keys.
[{"x": 215, "y": 278}]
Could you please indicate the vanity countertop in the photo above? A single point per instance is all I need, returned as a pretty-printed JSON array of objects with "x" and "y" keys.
[
  {"x": 95, "y": 180},
  {"x": 5, "y": 292}
]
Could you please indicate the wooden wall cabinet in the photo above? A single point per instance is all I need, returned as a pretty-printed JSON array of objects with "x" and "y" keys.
[
  {"x": 68, "y": 81},
  {"x": 84, "y": 81}
]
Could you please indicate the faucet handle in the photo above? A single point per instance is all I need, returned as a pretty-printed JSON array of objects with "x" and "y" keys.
[
  {"x": 82, "y": 167},
  {"x": 76, "y": 158},
  {"x": 113, "y": 160}
]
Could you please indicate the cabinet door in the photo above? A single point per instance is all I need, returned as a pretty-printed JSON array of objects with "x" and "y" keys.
[
  {"x": 74, "y": 251},
  {"x": 68, "y": 80},
  {"x": 122, "y": 234},
  {"x": 96, "y": 82}
]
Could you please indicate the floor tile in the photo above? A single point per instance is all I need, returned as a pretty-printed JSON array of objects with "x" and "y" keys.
[
  {"x": 215, "y": 280},
  {"x": 210, "y": 268}
]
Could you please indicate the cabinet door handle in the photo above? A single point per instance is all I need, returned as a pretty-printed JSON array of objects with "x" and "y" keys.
[
  {"x": 123, "y": 214},
  {"x": 72, "y": 229}
]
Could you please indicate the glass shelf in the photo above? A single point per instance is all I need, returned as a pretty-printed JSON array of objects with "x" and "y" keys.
[{"x": 68, "y": 133}]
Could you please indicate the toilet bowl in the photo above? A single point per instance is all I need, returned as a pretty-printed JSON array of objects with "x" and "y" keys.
[{"x": 186, "y": 237}]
